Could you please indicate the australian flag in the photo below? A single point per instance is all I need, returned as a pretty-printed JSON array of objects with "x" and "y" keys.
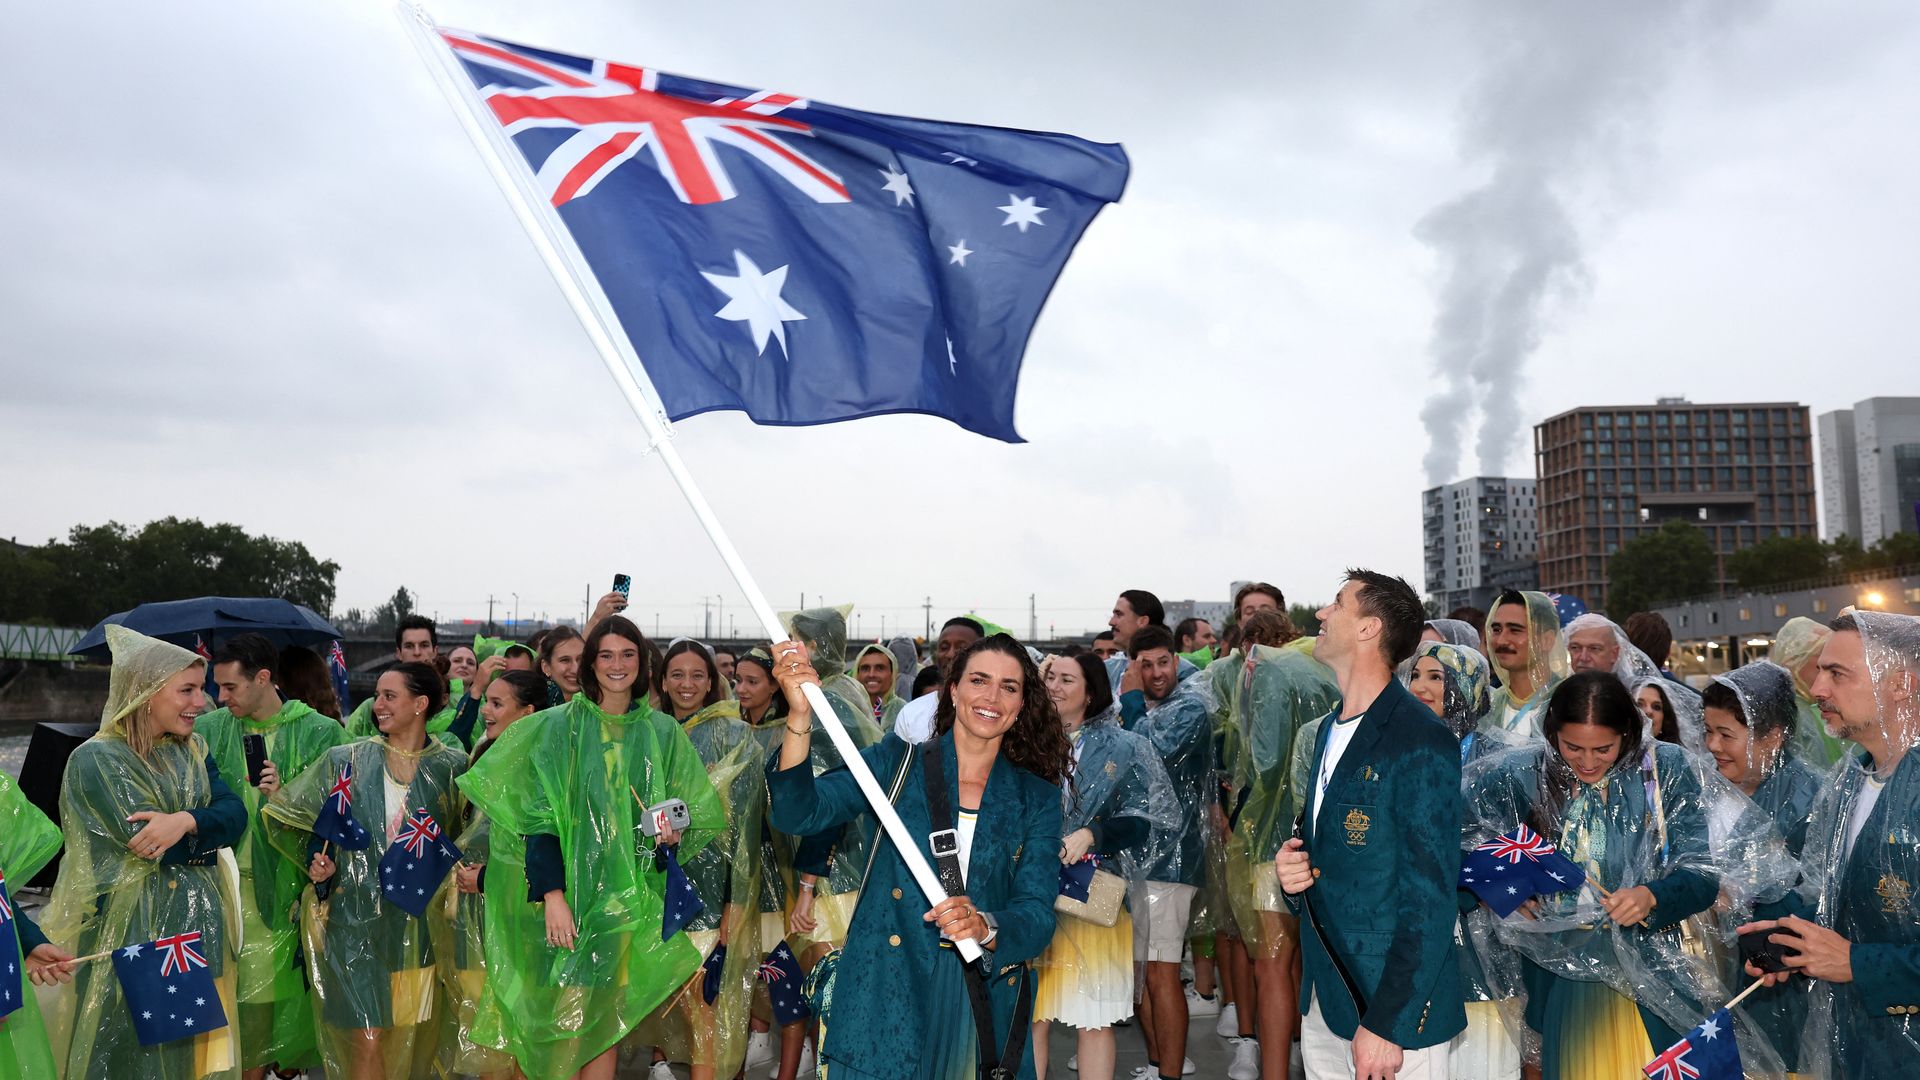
[
  {"x": 1709, "y": 1052},
  {"x": 713, "y": 973},
  {"x": 1077, "y": 880},
  {"x": 781, "y": 972},
  {"x": 797, "y": 261},
  {"x": 336, "y": 821},
  {"x": 337, "y": 673},
  {"x": 682, "y": 903},
  {"x": 1514, "y": 867},
  {"x": 413, "y": 868},
  {"x": 169, "y": 989},
  {"x": 12, "y": 990}
]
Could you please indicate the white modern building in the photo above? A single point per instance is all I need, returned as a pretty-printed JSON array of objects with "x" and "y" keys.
[
  {"x": 1473, "y": 529},
  {"x": 1870, "y": 469}
]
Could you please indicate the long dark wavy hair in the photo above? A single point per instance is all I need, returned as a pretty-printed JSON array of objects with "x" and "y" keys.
[
  {"x": 1035, "y": 741},
  {"x": 1591, "y": 697}
]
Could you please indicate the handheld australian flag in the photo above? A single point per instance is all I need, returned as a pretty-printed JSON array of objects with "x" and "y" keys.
[
  {"x": 785, "y": 989},
  {"x": 713, "y": 973},
  {"x": 337, "y": 673},
  {"x": 335, "y": 821},
  {"x": 12, "y": 989},
  {"x": 1515, "y": 867},
  {"x": 1076, "y": 881},
  {"x": 681, "y": 902},
  {"x": 1709, "y": 1052},
  {"x": 413, "y": 868},
  {"x": 169, "y": 989},
  {"x": 797, "y": 261}
]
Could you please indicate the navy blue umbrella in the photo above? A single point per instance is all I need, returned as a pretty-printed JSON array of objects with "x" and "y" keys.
[{"x": 214, "y": 619}]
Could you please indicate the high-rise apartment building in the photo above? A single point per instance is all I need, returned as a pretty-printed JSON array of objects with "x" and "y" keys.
[
  {"x": 1476, "y": 529},
  {"x": 1609, "y": 473},
  {"x": 1870, "y": 469}
]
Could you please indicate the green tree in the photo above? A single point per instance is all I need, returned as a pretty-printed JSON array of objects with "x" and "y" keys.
[
  {"x": 1672, "y": 562},
  {"x": 1779, "y": 559},
  {"x": 1303, "y": 618},
  {"x": 386, "y": 618},
  {"x": 101, "y": 569}
]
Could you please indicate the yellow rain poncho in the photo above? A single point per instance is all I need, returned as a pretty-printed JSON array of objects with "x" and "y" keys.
[
  {"x": 106, "y": 897},
  {"x": 371, "y": 963},
  {"x": 582, "y": 774},
  {"x": 726, "y": 875},
  {"x": 276, "y": 1019},
  {"x": 27, "y": 842}
]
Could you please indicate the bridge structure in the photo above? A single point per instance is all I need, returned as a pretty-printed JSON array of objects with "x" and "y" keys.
[{"x": 41, "y": 644}]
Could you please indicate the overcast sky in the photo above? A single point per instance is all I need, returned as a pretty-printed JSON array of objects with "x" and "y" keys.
[{"x": 255, "y": 273}]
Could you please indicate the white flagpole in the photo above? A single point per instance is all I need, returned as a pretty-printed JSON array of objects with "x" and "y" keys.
[{"x": 582, "y": 291}]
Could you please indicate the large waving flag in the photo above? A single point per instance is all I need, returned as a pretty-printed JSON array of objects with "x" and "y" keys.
[{"x": 799, "y": 262}]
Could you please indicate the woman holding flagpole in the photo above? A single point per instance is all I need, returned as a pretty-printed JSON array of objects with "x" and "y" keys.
[
  {"x": 984, "y": 790},
  {"x": 576, "y": 956},
  {"x": 145, "y": 816},
  {"x": 369, "y": 957}
]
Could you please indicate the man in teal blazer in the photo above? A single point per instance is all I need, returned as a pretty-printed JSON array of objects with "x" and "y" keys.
[{"x": 1378, "y": 860}]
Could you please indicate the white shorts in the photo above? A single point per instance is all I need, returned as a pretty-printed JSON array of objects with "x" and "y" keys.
[{"x": 1160, "y": 934}]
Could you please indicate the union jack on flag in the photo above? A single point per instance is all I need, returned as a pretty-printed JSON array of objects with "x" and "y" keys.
[
  {"x": 801, "y": 262},
  {"x": 335, "y": 822},
  {"x": 1522, "y": 841},
  {"x": 1709, "y": 1052},
  {"x": 177, "y": 953},
  {"x": 342, "y": 790},
  {"x": 419, "y": 831},
  {"x": 6, "y": 905}
]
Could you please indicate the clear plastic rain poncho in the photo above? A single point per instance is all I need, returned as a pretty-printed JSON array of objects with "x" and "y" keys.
[
  {"x": 28, "y": 841},
  {"x": 1457, "y": 632},
  {"x": 372, "y": 965},
  {"x": 1278, "y": 692},
  {"x": 1862, "y": 860},
  {"x": 276, "y": 1018},
  {"x": 1180, "y": 727},
  {"x": 1546, "y": 666},
  {"x": 107, "y": 898},
  {"x": 1680, "y": 708},
  {"x": 583, "y": 775},
  {"x": 1117, "y": 780},
  {"x": 1488, "y": 972},
  {"x": 1788, "y": 785},
  {"x": 906, "y": 664},
  {"x": 1797, "y": 648},
  {"x": 1662, "y": 818},
  {"x": 726, "y": 875},
  {"x": 824, "y": 633},
  {"x": 459, "y": 944}
]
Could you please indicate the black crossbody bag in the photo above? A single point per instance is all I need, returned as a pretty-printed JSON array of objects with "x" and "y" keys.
[{"x": 945, "y": 844}]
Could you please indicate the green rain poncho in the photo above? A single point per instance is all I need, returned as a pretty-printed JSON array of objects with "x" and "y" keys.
[
  {"x": 726, "y": 875},
  {"x": 106, "y": 897},
  {"x": 276, "y": 1019},
  {"x": 581, "y": 774},
  {"x": 1279, "y": 692},
  {"x": 27, "y": 842},
  {"x": 838, "y": 857},
  {"x": 1546, "y": 665},
  {"x": 371, "y": 964}
]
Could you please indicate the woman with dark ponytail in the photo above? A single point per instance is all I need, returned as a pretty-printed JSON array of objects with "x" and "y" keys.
[{"x": 372, "y": 964}]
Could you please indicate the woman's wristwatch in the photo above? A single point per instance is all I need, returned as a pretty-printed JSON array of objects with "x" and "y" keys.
[{"x": 993, "y": 928}]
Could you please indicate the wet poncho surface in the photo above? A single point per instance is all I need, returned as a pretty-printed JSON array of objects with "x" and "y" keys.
[
  {"x": 582, "y": 775},
  {"x": 28, "y": 841}
]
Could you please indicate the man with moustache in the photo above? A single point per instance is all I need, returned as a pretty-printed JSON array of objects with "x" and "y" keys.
[{"x": 1523, "y": 641}]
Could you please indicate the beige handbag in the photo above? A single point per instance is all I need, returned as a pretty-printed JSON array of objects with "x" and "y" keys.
[{"x": 1102, "y": 905}]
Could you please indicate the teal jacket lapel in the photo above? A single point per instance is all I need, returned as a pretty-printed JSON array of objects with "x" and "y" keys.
[{"x": 999, "y": 818}]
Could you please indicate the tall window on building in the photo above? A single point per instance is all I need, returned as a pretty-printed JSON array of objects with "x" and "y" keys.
[{"x": 1906, "y": 480}]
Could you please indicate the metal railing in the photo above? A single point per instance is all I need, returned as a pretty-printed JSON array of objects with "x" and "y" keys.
[{"x": 19, "y": 642}]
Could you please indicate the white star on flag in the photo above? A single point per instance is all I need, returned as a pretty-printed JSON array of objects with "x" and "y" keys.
[
  {"x": 1511, "y": 891},
  {"x": 131, "y": 951},
  {"x": 754, "y": 298},
  {"x": 898, "y": 185},
  {"x": 173, "y": 989},
  {"x": 1022, "y": 212},
  {"x": 146, "y": 1016},
  {"x": 199, "y": 1001},
  {"x": 959, "y": 251},
  {"x": 188, "y": 1021},
  {"x": 1711, "y": 1029}
]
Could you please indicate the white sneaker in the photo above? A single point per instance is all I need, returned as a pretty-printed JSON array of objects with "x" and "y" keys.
[
  {"x": 1186, "y": 1066},
  {"x": 1144, "y": 1072},
  {"x": 808, "y": 1064},
  {"x": 1296, "y": 1068},
  {"x": 1228, "y": 1026},
  {"x": 660, "y": 1071},
  {"x": 1201, "y": 1006},
  {"x": 1073, "y": 1063},
  {"x": 759, "y": 1049},
  {"x": 1246, "y": 1060}
]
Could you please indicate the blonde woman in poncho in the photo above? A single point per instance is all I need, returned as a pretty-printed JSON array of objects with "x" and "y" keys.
[{"x": 145, "y": 816}]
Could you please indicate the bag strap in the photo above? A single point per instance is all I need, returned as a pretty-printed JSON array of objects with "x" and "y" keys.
[
  {"x": 944, "y": 842},
  {"x": 893, "y": 798}
]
